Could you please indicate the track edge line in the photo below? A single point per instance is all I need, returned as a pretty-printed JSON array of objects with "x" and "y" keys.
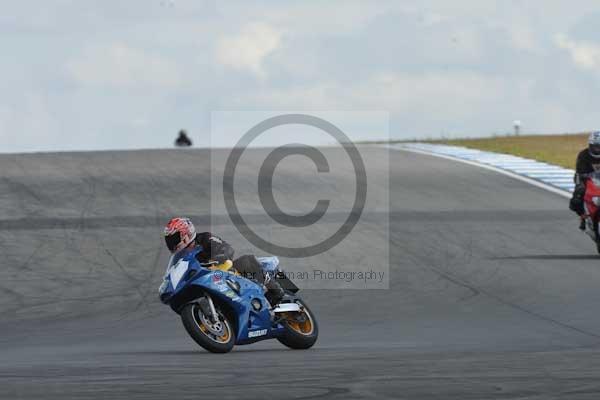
[{"x": 513, "y": 175}]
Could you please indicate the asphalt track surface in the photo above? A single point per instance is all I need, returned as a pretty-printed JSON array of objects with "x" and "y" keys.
[{"x": 493, "y": 291}]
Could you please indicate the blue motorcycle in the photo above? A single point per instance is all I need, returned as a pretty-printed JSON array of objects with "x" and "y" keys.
[{"x": 220, "y": 308}]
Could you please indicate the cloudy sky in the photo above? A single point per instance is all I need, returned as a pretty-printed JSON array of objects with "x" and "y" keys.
[{"x": 125, "y": 74}]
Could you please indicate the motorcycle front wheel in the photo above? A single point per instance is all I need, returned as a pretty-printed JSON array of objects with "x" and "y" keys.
[{"x": 216, "y": 337}]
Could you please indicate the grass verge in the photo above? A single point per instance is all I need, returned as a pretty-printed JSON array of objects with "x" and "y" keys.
[{"x": 554, "y": 149}]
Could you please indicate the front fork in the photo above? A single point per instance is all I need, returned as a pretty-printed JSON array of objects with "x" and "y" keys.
[{"x": 208, "y": 308}]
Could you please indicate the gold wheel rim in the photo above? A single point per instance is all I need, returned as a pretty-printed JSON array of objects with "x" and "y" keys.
[
  {"x": 303, "y": 327},
  {"x": 224, "y": 338}
]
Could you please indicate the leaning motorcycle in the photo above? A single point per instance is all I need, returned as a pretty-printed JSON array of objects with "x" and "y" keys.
[{"x": 220, "y": 308}]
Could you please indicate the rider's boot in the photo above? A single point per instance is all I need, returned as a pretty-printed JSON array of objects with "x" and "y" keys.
[
  {"x": 582, "y": 224},
  {"x": 274, "y": 292}
]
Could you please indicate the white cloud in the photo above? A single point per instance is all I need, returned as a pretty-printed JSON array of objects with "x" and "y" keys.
[
  {"x": 523, "y": 38},
  {"x": 585, "y": 55},
  {"x": 434, "y": 19},
  {"x": 317, "y": 96},
  {"x": 448, "y": 102},
  {"x": 315, "y": 18},
  {"x": 123, "y": 66},
  {"x": 248, "y": 49},
  {"x": 446, "y": 94}
]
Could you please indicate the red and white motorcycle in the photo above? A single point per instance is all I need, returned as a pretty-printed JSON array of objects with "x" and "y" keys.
[{"x": 591, "y": 204}]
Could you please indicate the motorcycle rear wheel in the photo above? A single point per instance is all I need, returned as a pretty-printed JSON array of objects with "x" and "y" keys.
[
  {"x": 301, "y": 329},
  {"x": 195, "y": 324}
]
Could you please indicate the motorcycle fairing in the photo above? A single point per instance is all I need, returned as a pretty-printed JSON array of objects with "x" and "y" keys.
[{"x": 180, "y": 288}]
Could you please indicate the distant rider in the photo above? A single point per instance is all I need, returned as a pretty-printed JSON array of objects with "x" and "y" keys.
[
  {"x": 588, "y": 160},
  {"x": 180, "y": 234},
  {"x": 183, "y": 140}
]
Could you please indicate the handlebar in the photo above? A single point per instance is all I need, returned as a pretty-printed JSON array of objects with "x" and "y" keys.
[
  {"x": 589, "y": 174},
  {"x": 225, "y": 266}
]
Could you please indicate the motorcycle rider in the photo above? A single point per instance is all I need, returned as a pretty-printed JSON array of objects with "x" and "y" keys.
[
  {"x": 180, "y": 233},
  {"x": 588, "y": 160},
  {"x": 183, "y": 139}
]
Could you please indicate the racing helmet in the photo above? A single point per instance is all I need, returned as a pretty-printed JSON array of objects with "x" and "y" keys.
[
  {"x": 594, "y": 144},
  {"x": 179, "y": 233}
]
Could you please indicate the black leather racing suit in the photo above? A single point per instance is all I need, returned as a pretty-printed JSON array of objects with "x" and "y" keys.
[
  {"x": 216, "y": 249},
  {"x": 584, "y": 165},
  {"x": 213, "y": 248}
]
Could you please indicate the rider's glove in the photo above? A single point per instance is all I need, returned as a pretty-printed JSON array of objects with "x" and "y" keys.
[{"x": 220, "y": 258}]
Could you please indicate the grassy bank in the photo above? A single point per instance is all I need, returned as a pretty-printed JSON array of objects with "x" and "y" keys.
[{"x": 555, "y": 149}]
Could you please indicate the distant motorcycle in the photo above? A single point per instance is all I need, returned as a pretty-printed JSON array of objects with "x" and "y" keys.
[
  {"x": 591, "y": 202},
  {"x": 219, "y": 308}
]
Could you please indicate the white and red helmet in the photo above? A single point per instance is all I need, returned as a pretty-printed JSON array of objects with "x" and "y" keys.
[{"x": 179, "y": 233}]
